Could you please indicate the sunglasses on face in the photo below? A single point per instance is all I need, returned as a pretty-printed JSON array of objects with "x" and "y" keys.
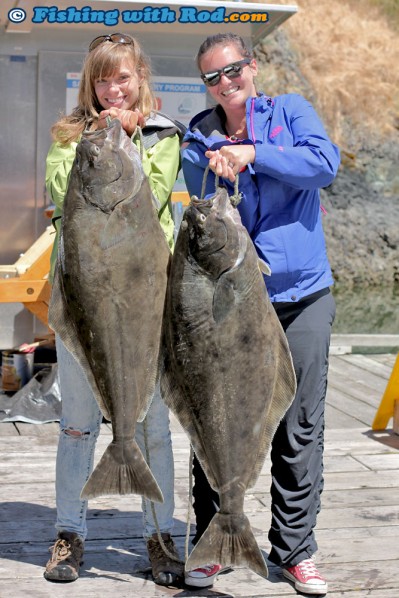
[
  {"x": 116, "y": 38},
  {"x": 232, "y": 71}
]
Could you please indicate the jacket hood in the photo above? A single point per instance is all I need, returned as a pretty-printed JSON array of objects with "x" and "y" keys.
[{"x": 162, "y": 125}]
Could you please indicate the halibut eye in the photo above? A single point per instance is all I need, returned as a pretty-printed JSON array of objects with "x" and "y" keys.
[{"x": 94, "y": 152}]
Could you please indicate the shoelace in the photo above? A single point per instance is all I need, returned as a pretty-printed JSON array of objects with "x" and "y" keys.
[
  {"x": 61, "y": 549},
  {"x": 308, "y": 569}
]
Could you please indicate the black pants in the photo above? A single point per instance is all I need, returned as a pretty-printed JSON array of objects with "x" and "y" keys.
[{"x": 297, "y": 446}]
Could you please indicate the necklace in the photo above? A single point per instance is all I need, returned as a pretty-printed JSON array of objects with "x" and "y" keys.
[
  {"x": 239, "y": 133},
  {"x": 237, "y": 137}
]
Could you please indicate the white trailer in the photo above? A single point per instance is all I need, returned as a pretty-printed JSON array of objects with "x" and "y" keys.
[{"x": 42, "y": 46}]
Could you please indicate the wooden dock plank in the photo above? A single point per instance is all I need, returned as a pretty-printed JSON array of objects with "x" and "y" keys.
[
  {"x": 356, "y": 377},
  {"x": 341, "y": 420},
  {"x": 357, "y": 528},
  {"x": 380, "y": 462},
  {"x": 364, "y": 396},
  {"x": 370, "y": 364},
  {"x": 358, "y": 411},
  {"x": 349, "y": 498}
]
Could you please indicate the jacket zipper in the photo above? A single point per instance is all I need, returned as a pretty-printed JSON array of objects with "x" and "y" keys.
[{"x": 251, "y": 119}]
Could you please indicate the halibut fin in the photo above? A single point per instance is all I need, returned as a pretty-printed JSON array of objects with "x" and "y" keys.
[
  {"x": 229, "y": 541},
  {"x": 122, "y": 470}
]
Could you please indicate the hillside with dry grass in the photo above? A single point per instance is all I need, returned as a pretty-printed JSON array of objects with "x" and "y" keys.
[
  {"x": 343, "y": 56},
  {"x": 348, "y": 54}
]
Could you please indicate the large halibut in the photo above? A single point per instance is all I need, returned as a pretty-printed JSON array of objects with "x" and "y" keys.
[
  {"x": 108, "y": 297},
  {"x": 227, "y": 369}
]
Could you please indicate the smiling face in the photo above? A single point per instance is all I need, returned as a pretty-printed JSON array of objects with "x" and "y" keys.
[
  {"x": 230, "y": 93},
  {"x": 119, "y": 90}
]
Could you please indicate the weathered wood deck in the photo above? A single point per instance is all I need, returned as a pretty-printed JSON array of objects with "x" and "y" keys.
[{"x": 358, "y": 527}]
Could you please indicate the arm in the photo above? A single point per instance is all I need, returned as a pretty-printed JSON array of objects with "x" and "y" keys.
[
  {"x": 161, "y": 164},
  {"x": 58, "y": 167},
  {"x": 194, "y": 163},
  {"x": 311, "y": 161}
]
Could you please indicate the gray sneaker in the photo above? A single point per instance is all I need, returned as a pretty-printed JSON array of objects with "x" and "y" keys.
[
  {"x": 166, "y": 571},
  {"x": 66, "y": 558}
]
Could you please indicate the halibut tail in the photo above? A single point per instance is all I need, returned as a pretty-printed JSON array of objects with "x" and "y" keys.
[
  {"x": 228, "y": 541},
  {"x": 122, "y": 470}
]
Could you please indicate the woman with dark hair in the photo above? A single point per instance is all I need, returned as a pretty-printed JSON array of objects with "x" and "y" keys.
[{"x": 282, "y": 156}]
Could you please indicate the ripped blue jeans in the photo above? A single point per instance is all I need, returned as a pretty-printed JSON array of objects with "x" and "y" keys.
[{"x": 79, "y": 430}]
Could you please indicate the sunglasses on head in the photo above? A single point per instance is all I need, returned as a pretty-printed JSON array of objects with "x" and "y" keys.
[
  {"x": 116, "y": 38},
  {"x": 232, "y": 71}
]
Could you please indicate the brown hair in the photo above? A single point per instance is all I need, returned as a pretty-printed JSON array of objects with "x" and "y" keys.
[
  {"x": 103, "y": 61},
  {"x": 223, "y": 39}
]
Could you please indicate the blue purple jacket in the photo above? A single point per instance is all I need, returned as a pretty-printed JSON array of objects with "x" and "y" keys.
[{"x": 280, "y": 204}]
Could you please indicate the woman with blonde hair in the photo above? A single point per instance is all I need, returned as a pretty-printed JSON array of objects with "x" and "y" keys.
[{"x": 115, "y": 83}]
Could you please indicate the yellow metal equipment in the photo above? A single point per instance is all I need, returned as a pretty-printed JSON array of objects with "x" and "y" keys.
[{"x": 389, "y": 406}]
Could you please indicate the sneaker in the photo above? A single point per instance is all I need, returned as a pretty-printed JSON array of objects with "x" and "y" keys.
[
  {"x": 66, "y": 558},
  {"x": 203, "y": 576},
  {"x": 166, "y": 570},
  {"x": 306, "y": 578}
]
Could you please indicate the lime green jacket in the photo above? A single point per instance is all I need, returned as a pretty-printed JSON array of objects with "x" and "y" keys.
[{"x": 161, "y": 164}]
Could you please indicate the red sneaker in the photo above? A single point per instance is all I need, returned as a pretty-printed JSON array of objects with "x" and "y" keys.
[
  {"x": 306, "y": 578},
  {"x": 203, "y": 576}
]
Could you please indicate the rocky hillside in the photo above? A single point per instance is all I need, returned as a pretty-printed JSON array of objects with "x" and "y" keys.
[{"x": 341, "y": 56}]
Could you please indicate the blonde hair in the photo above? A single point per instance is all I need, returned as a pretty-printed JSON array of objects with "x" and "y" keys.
[{"x": 103, "y": 61}]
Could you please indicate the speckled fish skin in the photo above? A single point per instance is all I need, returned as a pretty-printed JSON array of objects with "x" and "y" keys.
[
  {"x": 227, "y": 369},
  {"x": 108, "y": 297}
]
